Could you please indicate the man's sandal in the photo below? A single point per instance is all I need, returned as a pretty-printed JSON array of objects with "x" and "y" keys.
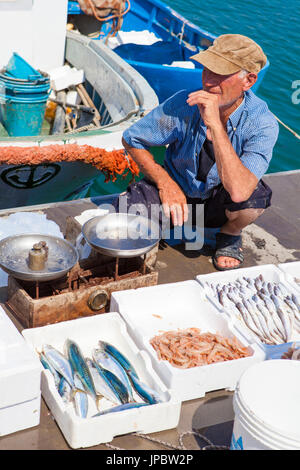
[{"x": 228, "y": 245}]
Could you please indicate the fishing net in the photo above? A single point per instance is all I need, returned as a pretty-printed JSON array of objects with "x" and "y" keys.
[
  {"x": 106, "y": 10},
  {"x": 110, "y": 163}
]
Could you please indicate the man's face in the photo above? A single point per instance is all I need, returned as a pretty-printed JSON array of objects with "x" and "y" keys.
[{"x": 228, "y": 87}]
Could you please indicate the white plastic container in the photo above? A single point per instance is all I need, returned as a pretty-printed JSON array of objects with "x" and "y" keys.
[
  {"x": 20, "y": 373},
  {"x": 267, "y": 407},
  {"x": 270, "y": 273},
  {"x": 149, "y": 311},
  {"x": 291, "y": 272},
  {"x": 86, "y": 332}
]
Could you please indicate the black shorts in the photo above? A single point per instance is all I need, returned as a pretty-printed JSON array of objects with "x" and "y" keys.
[{"x": 145, "y": 192}]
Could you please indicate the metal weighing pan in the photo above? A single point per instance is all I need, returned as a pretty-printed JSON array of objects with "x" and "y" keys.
[
  {"x": 121, "y": 235},
  {"x": 14, "y": 252}
]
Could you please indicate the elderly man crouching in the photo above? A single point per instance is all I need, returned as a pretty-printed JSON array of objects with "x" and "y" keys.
[{"x": 219, "y": 145}]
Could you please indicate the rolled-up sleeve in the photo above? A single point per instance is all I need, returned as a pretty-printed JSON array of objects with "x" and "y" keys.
[
  {"x": 159, "y": 127},
  {"x": 258, "y": 148}
]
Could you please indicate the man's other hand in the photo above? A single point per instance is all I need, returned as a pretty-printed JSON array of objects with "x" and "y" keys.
[{"x": 173, "y": 201}]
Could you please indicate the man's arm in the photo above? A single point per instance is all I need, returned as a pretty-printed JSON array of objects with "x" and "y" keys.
[
  {"x": 172, "y": 198},
  {"x": 238, "y": 181}
]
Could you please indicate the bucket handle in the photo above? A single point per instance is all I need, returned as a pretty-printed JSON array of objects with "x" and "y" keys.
[{"x": 17, "y": 92}]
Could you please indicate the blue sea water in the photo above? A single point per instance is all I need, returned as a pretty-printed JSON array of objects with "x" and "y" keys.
[{"x": 274, "y": 25}]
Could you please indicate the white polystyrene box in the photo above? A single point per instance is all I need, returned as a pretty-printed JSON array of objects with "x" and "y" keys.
[
  {"x": 149, "y": 311},
  {"x": 86, "y": 332},
  {"x": 270, "y": 273},
  {"x": 292, "y": 272},
  {"x": 20, "y": 374}
]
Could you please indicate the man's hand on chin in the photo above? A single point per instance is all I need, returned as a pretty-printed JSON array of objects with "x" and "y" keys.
[{"x": 208, "y": 104}]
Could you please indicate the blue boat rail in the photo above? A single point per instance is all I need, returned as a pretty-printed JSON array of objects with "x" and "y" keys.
[
  {"x": 163, "y": 20},
  {"x": 162, "y": 63}
]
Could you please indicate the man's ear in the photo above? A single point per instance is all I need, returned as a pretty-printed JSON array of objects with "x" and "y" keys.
[{"x": 249, "y": 80}]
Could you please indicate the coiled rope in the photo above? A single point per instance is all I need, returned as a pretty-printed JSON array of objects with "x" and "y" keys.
[{"x": 116, "y": 17}]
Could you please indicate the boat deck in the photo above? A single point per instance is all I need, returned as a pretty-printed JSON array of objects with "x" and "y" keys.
[{"x": 274, "y": 238}]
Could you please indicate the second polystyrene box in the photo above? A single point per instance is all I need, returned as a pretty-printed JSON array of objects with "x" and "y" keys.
[{"x": 153, "y": 310}]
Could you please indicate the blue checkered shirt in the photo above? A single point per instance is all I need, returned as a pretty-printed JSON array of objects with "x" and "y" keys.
[{"x": 252, "y": 130}]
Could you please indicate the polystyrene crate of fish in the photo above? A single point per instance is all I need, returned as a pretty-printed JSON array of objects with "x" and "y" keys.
[
  {"x": 92, "y": 430},
  {"x": 153, "y": 310},
  {"x": 262, "y": 278},
  {"x": 292, "y": 272}
]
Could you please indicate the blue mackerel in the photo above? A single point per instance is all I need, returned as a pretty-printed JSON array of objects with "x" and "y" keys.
[
  {"x": 59, "y": 362},
  {"x": 117, "y": 387},
  {"x": 115, "y": 409},
  {"x": 80, "y": 398},
  {"x": 108, "y": 362},
  {"x": 46, "y": 364},
  {"x": 79, "y": 365},
  {"x": 110, "y": 349},
  {"x": 147, "y": 394}
]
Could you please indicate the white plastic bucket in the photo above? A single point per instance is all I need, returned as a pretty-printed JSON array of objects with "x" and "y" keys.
[{"x": 267, "y": 407}]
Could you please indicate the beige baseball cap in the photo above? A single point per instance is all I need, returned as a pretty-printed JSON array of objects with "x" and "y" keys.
[{"x": 230, "y": 53}]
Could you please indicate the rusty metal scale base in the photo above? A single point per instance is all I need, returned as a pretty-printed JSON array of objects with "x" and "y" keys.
[{"x": 84, "y": 291}]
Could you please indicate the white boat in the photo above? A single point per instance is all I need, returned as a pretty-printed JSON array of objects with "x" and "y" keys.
[{"x": 121, "y": 95}]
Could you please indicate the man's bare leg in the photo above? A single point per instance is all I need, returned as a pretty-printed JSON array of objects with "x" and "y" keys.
[{"x": 236, "y": 222}]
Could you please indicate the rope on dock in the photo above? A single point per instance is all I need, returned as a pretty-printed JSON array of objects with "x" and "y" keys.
[
  {"x": 287, "y": 127},
  {"x": 181, "y": 446}
]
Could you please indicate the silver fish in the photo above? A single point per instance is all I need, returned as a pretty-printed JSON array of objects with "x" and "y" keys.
[
  {"x": 60, "y": 363},
  {"x": 255, "y": 314},
  {"x": 144, "y": 391},
  {"x": 79, "y": 365},
  {"x": 47, "y": 365},
  {"x": 248, "y": 320},
  {"x": 296, "y": 301},
  {"x": 101, "y": 386},
  {"x": 258, "y": 283},
  {"x": 292, "y": 306},
  {"x": 263, "y": 324},
  {"x": 272, "y": 329},
  {"x": 65, "y": 390},
  {"x": 251, "y": 284},
  {"x": 111, "y": 387},
  {"x": 283, "y": 290},
  {"x": 252, "y": 307},
  {"x": 284, "y": 317},
  {"x": 126, "y": 406},
  {"x": 113, "y": 351},
  {"x": 80, "y": 398},
  {"x": 270, "y": 288},
  {"x": 108, "y": 362},
  {"x": 278, "y": 292},
  {"x": 276, "y": 319}
]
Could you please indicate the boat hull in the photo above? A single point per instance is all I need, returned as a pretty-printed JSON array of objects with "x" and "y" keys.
[
  {"x": 23, "y": 185},
  {"x": 52, "y": 181}
]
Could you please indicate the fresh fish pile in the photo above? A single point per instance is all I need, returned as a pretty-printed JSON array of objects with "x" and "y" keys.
[
  {"x": 108, "y": 374},
  {"x": 267, "y": 309},
  {"x": 189, "y": 348}
]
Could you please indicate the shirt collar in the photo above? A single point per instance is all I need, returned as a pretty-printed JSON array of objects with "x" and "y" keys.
[{"x": 236, "y": 114}]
